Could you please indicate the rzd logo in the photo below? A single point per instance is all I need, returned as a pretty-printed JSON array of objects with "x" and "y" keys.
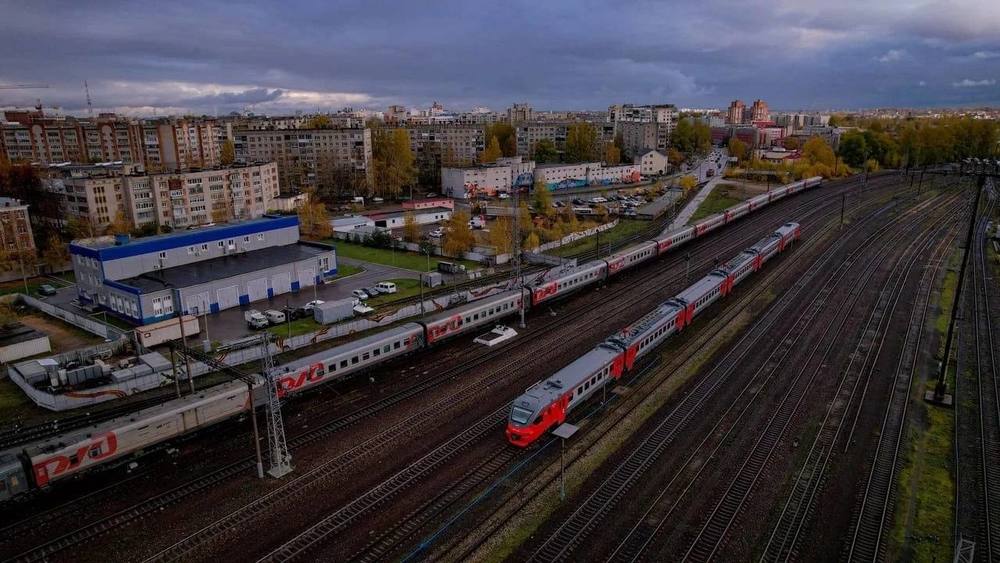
[
  {"x": 292, "y": 383},
  {"x": 98, "y": 448}
]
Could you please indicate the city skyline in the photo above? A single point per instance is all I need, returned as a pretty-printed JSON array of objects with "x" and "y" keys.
[{"x": 219, "y": 58}]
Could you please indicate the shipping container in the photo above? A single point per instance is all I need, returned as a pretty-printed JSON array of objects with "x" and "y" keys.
[
  {"x": 164, "y": 331},
  {"x": 333, "y": 311}
]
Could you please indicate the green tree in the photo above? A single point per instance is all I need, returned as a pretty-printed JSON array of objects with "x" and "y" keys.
[
  {"x": 492, "y": 152},
  {"x": 581, "y": 143},
  {"x": 683, "y": 138},
  {"x": 458, "y": 236},
  {"x": 392, "y": 161},
  {"x": 853, "y": 148},
  {"x": 545, "y": 151},
  {"x": 228, "y": 153}
]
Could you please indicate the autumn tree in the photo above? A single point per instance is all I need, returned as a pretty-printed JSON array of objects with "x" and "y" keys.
[
  {"x": 674, "y": 156},
  {"x": 688, "y": 183},
  {"x": 737, "y": 148},
  {"x": 121, "y": 225},
  {"x": 532, "y": 241},
  {"x": 502, "y": 235},
  {"x": 313, "y": 221},
  {"x": 227, "y": 154},
  {"x": 542, "y": 199},
  {"x": 612, "y": 155},
  {"x": 790, "y": 143},
  {"x": 581, "y": 143},
  {"x": 411, "y": 230},
  {"x": 505, "y": 135},
  {"x": 817, "y": 151},
  {"x": 492, "y": 152},
  {"x": 56, "y": 253},
  {"x": 458, "y": 236},
  {"x": 392, "y": 161},
  {"x": 545, "y": 151},
  {"x": 79, "y": 228}
]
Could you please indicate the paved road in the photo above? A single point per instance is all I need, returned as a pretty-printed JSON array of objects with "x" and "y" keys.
[{"x": 229, "y": 324}]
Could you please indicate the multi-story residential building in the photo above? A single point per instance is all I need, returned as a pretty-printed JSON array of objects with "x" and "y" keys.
[
  {"x": 15, "y": 227},
  {"x": 305, "y": 156},
  {"x": 528, "y": 134},
  {"x": 164, "y": 144},
  {"x": 518, "y": 113},
  {"x": 449, "y": 145},
  {"x": 735, "y": 114},
  {"x": 652, "y": 163},
  {"x": 101, "y": 195},
  {"x": 759, "y": 111},
  {"x": 643, "y": 127},
  {"x": 396, "y": 115},
  {"x": 197, "y": 271}
]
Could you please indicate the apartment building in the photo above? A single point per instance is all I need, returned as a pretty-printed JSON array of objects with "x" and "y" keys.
[
  {"x": 303, "y": 155},
  {"x": 759, "y": 111},
  {"x": 735, "y": 114},
  {"x": 159, "y": 145},
  {"x": 15, "y": 227},
  {"x": 449, "y": 144},
  {"x": 99, "y": 195},
  {"x": 643, "y": 127}
]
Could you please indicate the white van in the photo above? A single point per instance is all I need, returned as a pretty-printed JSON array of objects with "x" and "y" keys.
[
  {"x": 274, "y": 316},
  {"x": 385, "y": 287}
]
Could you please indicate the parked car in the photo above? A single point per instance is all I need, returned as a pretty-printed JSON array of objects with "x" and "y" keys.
[
  {"x": 372, "y": 291},
  {"x": 477, "y": 222},
  {"x": 255, "y": 319},
  {"x": 436, "y": 233},
  {"x": 46, "y": 289},
  {"x": 274, "y": 316},
  {"x": 360, "y": 294},
  {"x": 386, "y": 287},
  {"x": 558, "y": 204},
  {"x": 429, "y": 195},
  {"x": 377, "y": 200},
  {"x": 504, "y": 195},
  {"x": 313, "y": 304},
  {"x": 579, "y": 201}
]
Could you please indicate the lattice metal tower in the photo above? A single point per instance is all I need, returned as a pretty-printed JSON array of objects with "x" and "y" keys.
[{"x": 281, "y": 460}]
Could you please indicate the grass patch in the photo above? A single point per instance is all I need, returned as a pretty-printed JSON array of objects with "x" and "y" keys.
[
  {"x": 295, "y": 328},
  {"x": 927, "y": 473},
  {"x": 405, "y": 287},
  {"x": 624, "y": 229},
  {"x": 17, "y": 286},
  {"x": 14, "y": 404},
  {"x": 398, "y": 258},
  {"x": 721, "y": 198},
  {"x": 344, "y": 270}
]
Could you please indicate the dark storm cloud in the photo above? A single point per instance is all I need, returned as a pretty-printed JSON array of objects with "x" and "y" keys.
[{"x": 221, "y": 56}]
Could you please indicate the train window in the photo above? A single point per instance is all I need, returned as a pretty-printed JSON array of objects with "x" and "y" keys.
[
  {"x": 343, "y": 363},
  {"x": 94, "y": 451},
  {"x": 321, "y": 371},
  {"x": 386, "y": 348},
  {"x": 354, "y": 360},
  {"x": 365, "y": 356},
  {"x": 586, "y": 385},
  {"x": 333, "y": 367},
  {"x": 396, "y": 345},
  {"x": 376, "y": 352}
]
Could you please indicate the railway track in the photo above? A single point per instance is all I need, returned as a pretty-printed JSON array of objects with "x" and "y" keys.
[
  {"x": 986, "y": 396},
  {"x": 175, "y": 495},
  {"x": 879, "y": 495},
  {"x": 798, "y": 508},
  {"x": 576, "y": 527}
]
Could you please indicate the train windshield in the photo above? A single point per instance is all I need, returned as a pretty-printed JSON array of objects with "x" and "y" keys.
[{"x": 519, "y": 415}]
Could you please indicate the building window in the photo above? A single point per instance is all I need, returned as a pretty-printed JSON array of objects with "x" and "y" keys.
[{"x": 163, "y": 255}]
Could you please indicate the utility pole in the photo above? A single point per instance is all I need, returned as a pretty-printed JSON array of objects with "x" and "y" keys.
[
  {"x": 281, "y": 460},
  {"x": 516, "y": 248},
  {"x": 843, "y": 206}
]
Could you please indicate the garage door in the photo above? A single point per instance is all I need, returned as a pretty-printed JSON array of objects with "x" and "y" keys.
[
  {"x": 257, "y": 289},
  {"x": 281, "y": 283},
  {"x": 306, "y": 278},
  {"x": 197, "y": 304},
  {"x": 228, "y": 297}
]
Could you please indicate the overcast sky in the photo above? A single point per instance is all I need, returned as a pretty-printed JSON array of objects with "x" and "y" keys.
[{"x": 215, "y": 56}]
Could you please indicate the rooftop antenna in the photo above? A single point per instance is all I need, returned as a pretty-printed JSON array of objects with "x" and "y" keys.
[{"x": 90, "y": 106}]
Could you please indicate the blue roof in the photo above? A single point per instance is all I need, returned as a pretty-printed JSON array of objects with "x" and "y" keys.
[{"x": 104, "y": 248}]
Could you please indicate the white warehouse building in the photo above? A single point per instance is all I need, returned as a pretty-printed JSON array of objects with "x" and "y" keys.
[{"x": 203, "y": 270}]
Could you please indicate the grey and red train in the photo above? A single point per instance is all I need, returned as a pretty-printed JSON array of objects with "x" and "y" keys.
[
  {"x": 546, "y": 404},
  {"x": 43, "y": 463}
]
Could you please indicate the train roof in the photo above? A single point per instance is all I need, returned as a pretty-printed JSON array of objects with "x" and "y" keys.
[
  {"x": 629, "y": 333},
  {"x": 571, "y": 375},
  {"x": 567, "y": 272},
  {"x": 471, "y": 306},
  {"x": 380, "y": 336}
]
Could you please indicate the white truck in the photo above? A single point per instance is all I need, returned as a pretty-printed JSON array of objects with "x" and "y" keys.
[
  {"x": 255, "y": 319},
  {"x": 164, "y": 331}
]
